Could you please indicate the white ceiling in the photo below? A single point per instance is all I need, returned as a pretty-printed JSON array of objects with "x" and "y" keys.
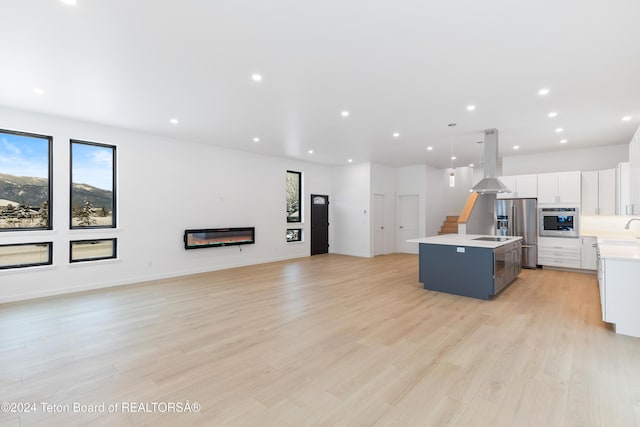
[{"x": 407, "y": 66}]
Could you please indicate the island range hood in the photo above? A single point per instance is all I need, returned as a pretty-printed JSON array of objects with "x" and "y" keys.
[{"x": 490, "y": 184}]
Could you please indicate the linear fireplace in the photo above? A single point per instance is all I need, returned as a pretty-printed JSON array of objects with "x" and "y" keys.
[{"x": 212, "y": 237}]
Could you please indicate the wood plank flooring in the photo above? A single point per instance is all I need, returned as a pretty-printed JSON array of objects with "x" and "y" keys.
[{"x": 323, "y": 341}]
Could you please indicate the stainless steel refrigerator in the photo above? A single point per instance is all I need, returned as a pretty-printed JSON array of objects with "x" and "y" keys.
[{"x": 518, "y": 217}]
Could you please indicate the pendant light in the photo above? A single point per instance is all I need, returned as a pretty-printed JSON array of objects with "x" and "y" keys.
[{"x": 452, "y": 175}]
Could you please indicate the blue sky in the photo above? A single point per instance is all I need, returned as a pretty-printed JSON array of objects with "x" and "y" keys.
[
  {"x": 24, "y": 155},
  {"x": 93, "y": 165},
  {"x": 28, "y": 156}
]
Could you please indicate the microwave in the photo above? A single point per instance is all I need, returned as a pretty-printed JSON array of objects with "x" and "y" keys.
[{"x": 559, "y": 222}]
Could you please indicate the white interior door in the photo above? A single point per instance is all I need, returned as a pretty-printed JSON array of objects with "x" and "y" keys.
[
  {"x": 408, "y": 228},
  {"x": 378, "y": 224}
]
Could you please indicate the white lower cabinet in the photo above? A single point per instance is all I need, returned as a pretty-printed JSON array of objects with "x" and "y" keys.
[
  {"x": 559, "y": 252},
  {"x": 620, "y": 293},
  {"x": 588, "y": 253}
]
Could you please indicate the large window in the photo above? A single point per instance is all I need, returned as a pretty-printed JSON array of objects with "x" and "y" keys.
[
  {"x": 294, "y": 196},
  {"x": 25, "y": 181},
  {"x": 93, "y": 189}
]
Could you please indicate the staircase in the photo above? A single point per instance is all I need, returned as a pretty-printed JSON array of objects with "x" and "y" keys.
[{"x": 449, "y": 226}]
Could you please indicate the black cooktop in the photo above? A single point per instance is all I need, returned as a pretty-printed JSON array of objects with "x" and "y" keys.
[{"x": 492, "y": 239}]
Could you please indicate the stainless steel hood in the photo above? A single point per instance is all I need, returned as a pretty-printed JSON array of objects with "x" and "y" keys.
[{"x": 490, "y": 184}]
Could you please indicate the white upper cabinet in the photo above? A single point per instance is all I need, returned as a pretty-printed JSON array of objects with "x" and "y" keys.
[
  {"x": 599, "y": 192},
  {"x": 634, "y": 174},
  {"x": 607, "y": 192},
  {"x": 589, "y": 193},
  {"x": 510, "y": 182},
  {"x": 561, "y": 188},
  {"x": 623, "y": 199},
  {"x": 521, "y": 186}
]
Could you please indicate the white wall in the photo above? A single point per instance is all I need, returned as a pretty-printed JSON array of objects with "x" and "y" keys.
[
  {"x": 383, "y": 181},
  {"x": 164, "y": 187},
  {"x": 410, "y": 180},
  {"x": 584, "y": 159},
  {"x": 443, "y": 200},
  {"x": 350, "y": 209}
]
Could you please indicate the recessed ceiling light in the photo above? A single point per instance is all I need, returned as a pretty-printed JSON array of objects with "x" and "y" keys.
[
  {"x": 38, "y": 91},
  {"x": 626, "y": 118},
  {"x": 516, "y": 147},
  {"x": 256, "y": 139},
  {"x": 552, "y": 114},
  {"x": 310, "y": 151},
  {"x": 70, "y": 2},
  {"x": 471, "y": 107},
  {"x": 256, "y": 77},
  {"x": 350, "y": 160},
  {"x": 470, "y": 165},
  {"x": 453, "y": 157},
  {"x": 429, "y": 148},
  {"x": 396, "y": 135},
  {"x": 344, "y": 113},
  {"x": 174, "y": 121},
  {"x": 559, "y": 130},
  {"x": 543, "y": 92},
  {"x": 563, "y": 141}
]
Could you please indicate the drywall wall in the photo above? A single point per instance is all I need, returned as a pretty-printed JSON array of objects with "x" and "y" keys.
[
  {"x": 164, "y": 187},
  {"x": 443, "y": 200},
  {"x": 350, "y": 209},
  {"x": 584, "y": 159}
]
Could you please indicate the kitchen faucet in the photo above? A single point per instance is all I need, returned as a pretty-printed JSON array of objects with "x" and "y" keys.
[{"x": 626, "y": 227}]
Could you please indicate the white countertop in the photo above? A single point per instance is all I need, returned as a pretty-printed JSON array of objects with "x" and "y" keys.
[
  {"x": 464, "y": 240},
  {"x": 619, "y": 248}
]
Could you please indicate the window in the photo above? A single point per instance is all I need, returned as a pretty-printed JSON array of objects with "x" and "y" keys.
[
  {"x": 25, "y": 255},
  {"x": 294, "y": 234},
  {"x": 91, "y": 250},
  {"x": 294, "y": 196},
  {"x": 93, "y": 189},
  {"x": 25, "y": 181}
]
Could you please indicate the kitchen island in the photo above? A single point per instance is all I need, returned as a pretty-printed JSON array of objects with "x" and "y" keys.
[
  {"x": 618, "y": 272},
  {"x": 470, "y": 265}
]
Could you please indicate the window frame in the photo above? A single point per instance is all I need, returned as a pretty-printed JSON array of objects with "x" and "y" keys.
[
  {"x": 49, "y": 139},
  {"x": 49, "y": 261},
  {"x": 300, "y": 212},
  {"x": 113, "y": 186},
  {"x": 299, "y": 239},
  {"x": 75, "y": 261}
]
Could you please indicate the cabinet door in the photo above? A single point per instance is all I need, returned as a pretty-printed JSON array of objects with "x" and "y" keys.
[
  {"x": 548, "y": 188},
  {"x": 589, "y": 256},
  {"x": 510, "y": 182},
  {"x": 623, "y": 199},
  {"x": 601, "y": 287},
  {"x": 569, "y": 184},
  {"x": 607, "y": 192},
  {"x": 589, "y": 193},
  {"x": 634, "y": 165},
  {"x": 527, "y": 186}
]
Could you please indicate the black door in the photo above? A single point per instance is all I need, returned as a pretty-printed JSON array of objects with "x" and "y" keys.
[{"x": 319, "y": 224}]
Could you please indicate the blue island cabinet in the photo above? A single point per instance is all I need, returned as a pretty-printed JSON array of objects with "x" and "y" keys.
[{"x": 459, "y": 270}]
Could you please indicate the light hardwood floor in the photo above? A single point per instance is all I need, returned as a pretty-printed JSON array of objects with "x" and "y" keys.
[{"x": 323, "y": 341}]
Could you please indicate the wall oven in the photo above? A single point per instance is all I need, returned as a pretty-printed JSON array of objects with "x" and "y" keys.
[{"x": 559, "y": 222}]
